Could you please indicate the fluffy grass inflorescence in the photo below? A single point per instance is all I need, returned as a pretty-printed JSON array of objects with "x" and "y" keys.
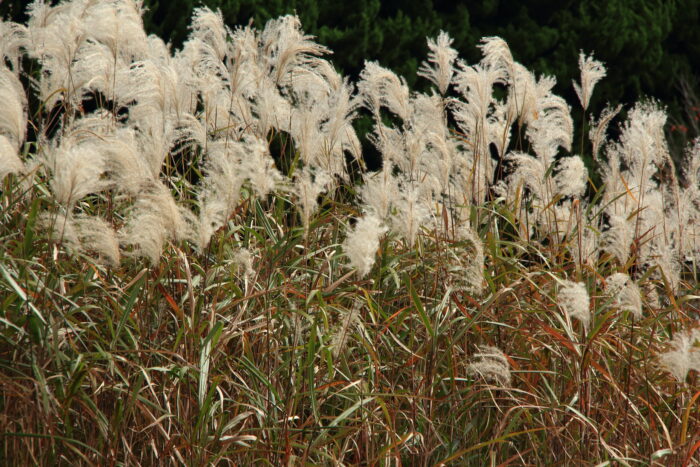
[
  {"x": 181, "y": 281},
  {"x": 573, "y": 299},
  {"x": 684, "y": 354}
]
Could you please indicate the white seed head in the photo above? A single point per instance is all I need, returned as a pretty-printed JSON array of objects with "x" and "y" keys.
[
  {"x": 154, "y": 219},
  {"x": 442, "y": 58},
  {"x": 573, "y": 299},
  {"x": 592, "y": 71},
  {"x": 571, "y": 177},
  {"x": 466, "y": 260},
  {"x": 684, "y": 354},
  {"x": 617, "y": 239},
  {"x": 625, "y": 293},
  {"x": 10, "y": 163},
  {"x": 243, "y": 258},
  {"x": 491, "y": 364},
  {"x": 13, "y": 112},
  {"x": 83, "y": 234},
  {"x": 379, "y": 192},
  {"x": 380, "y": 87},
  {"x": 362, "y": 243},
  {"x": 411, "y": 214},
  {"x": 309, "y": 184},
  {"x": 13, "y": 37}
]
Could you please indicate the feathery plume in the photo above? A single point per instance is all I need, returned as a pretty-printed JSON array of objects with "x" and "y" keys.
[
  {"x": 362, "y": 243},
  {"x": 573, "y": 299},
  {"x": 684, "y": 354},
  {"x": 466, "y": 260},
  {"x": 77, "y": 171},
  {"x": 617, "y": 238},
  {"x": 483, "y": 119},
  {"x": 9, "y": 162},
  {"x": 154, "y": 219},
  {"x": 476, "y": 83},
  {"x": 411, "y": 214},
  {"x": 665, "y": 256},
  {"x": 286, "y": 46},
  {"x": 208, "y": 27},
  {"x": 56, "y": 34},
  {"x": 522, "y": 95},
  {"x": 636, "y": 192},
  {"x": 625, "y": 293},
  {"x": 379, "y": 192},
  {"x": 497, "y": 56},
  {"x": 97, "y": 235},
  {"x": 553, "y": 128},
  {"x": 689, "y": 207},
  {"x": 380, "y": 87},
  {"x": 309, "y": 184},
  {"x": 592, "y": 71},
  {"x": 221, "y": 186},
  {"x": 13, "y": 38},
  {"x": 571, "y": 177},
  {"x": 442, "y": 57},
  {"x": 243, "y": 258},
  {"x": 491, "y": 364},
  {"x": 83, "y": 234},
  {"x": 13, "y": 113},
  {"x": 117, "y": 24},
  {"x": 257, "y": 166},
  {"x": 642, "y": 143},
  {"x": 273, "y": 110},
  {"x": 529, "y": 172},
  {"x": 92, "y": 157},
  {"x": 600, "y": 126},
  {"x": 305, "y": 122}
]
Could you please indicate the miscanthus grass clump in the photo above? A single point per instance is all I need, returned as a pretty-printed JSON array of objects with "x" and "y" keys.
[{"x": 196, "y": 267}]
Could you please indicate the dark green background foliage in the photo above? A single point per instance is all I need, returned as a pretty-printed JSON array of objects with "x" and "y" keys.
[{"x": 649, "y": 46}]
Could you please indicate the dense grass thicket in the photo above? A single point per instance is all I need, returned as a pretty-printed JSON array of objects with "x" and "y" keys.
[{"x": 196, "y": 266}]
